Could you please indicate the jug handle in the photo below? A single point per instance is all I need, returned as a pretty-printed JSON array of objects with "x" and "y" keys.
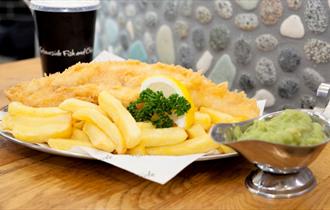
[{"x": 322, "y": 100}]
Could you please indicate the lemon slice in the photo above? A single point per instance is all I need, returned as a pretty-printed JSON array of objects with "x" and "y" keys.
[{"x": 169, "y": 86}]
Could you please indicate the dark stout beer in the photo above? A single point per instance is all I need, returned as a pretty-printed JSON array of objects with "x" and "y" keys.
[{"x": 65, "y": 32}]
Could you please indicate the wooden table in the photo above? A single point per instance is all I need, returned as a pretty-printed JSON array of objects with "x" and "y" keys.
[{"x": 35, "y": 180}]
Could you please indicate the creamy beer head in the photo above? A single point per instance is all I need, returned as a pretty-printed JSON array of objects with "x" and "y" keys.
[{"x": 64, "y": 5}]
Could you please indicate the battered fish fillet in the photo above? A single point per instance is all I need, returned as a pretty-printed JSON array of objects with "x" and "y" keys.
[{"x": 123, "y": 79}]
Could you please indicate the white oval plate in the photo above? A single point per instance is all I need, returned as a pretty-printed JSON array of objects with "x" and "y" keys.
[{"x": 46, "y": 149}]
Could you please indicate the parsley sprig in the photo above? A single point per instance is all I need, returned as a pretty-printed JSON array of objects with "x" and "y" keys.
[{"x": 158, "y": 109}]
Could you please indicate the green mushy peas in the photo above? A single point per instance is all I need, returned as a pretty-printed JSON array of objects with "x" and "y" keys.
[{"x": 291, "y": 127}]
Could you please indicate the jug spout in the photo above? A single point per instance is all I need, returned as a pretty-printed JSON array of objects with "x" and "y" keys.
[{"x": 226, "y": 133}]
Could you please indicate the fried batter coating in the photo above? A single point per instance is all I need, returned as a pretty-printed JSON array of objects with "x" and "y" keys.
[{"x": 123, "y": 79}]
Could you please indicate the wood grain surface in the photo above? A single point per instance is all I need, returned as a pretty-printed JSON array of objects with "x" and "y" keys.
[{"x": 35, "y": 180}]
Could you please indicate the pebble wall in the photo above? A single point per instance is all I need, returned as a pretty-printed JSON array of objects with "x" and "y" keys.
[{"x": 277, "y": 50}]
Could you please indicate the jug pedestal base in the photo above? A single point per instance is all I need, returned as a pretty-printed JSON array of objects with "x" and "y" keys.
[{"x": 272, "y": 185}]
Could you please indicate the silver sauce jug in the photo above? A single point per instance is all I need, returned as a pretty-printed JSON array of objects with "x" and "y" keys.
[{"x": 282, "y": 169}]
